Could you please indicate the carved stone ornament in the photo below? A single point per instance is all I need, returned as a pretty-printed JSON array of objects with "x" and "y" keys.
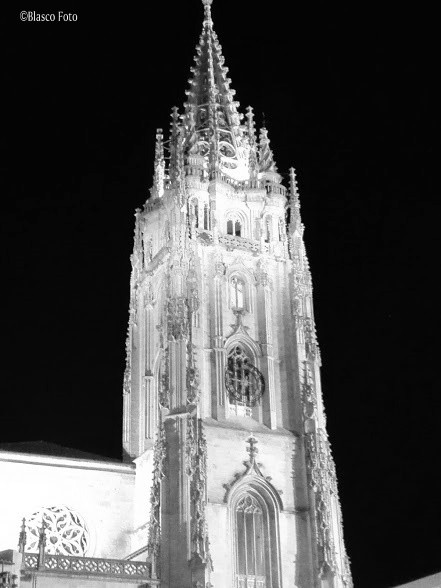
[
  {"x": 219, "y": 269},
  {"x": 252, "y": 470},
  {"x": 323, "y": 481},
  {"x": 192, "y": 379},
  {"x": 64, "y": 531},
  {"x": 177, "y": 318},
  {"x": 159, "y": 471},
  {"x": 164, "y": 381},
  {"x": 196, "y": 461},
  {"x": 310, "y": 338}
]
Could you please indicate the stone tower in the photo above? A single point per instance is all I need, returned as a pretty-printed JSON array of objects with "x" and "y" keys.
[{"x": 223, "y": 408}]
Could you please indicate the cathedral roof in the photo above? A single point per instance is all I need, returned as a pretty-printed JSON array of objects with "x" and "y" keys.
[{"x": 51, "y": 449}]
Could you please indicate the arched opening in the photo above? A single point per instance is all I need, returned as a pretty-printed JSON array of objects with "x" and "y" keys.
[
  {"x": 251, "y": 541},
  {"x": 229, "y": 227},
  {"x": 244, "y": 382},
  {"x": 255, "y": 519},
  {"x": 267, "y": 229},
  {"x": 206, "y": 218},
  {"x": 237, "y": 293},
  {"x": 281, "y": 230},
  {"x": 237, "y": 228},
  {"x": 194, "y": 213}
]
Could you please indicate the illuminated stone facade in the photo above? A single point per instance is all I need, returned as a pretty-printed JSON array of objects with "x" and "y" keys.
[{"x": 229, "y": 479}]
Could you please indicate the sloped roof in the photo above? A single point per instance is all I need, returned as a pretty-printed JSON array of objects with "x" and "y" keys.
[{"x": 52, "y": 449}]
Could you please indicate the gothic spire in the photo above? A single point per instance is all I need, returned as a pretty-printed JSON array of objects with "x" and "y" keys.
[
  {"x": 175, "y": 169},
  {"x": 266, "y": 157},
  {"x": 210, "y": 98},
  {"x": 159, "y": 165},
  {"x": 251, "y": 132}
]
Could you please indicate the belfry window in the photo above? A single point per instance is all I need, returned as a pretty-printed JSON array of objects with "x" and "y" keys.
[
  {"x": 235, "y": 224},
  {"x": 251, "y": 543},
  {"x": 244, "y": 382},
  {"x": 237, "y": 293}
]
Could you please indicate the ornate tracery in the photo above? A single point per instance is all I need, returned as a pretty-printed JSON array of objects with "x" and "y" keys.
[
  {"x": 244, "y": 382},
  {"x": 251, "y": 542},
  {"x": 65, "y": 531}
]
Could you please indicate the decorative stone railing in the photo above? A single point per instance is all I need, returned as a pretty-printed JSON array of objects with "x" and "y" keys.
[
  {"x": 233, "y": 242},
  {"x": 90, "y": 566}
]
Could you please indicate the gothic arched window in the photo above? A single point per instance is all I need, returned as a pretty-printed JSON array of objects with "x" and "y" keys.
[
  {"x": 267, "y": 229},
  {"x": 206, "y": 217},
  {"x": 244, "y": 382},
  {"x": 255, "y": 508},
  {"x": 194, "y": 212},
  {"x": 281, "y": 229},
  {"x": 236, "y": 223},
  {"x": 251, "y": 542},
  {"x": 237, "y": 293}
]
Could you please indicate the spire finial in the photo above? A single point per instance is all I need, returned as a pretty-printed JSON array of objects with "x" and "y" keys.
[{"x": 207, "y": 11}]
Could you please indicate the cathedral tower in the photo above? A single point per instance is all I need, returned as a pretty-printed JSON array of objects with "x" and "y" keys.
[{"x": 223, "y": 409}]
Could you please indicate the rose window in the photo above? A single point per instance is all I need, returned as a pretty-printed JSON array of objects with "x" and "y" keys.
[
  {"x": 244, "y": 382},
  {"x": 66, "y": 531}
]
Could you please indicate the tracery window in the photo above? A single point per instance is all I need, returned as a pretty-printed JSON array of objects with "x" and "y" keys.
[
  {"x": 66, "y": 531},
  {"x": 244, "y": 382},
  {"x": 237, "y": 293},
  {"x": 251, "y": 543}
]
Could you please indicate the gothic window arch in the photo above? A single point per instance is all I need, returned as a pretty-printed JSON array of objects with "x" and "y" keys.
[
  {"x": 268, "y": 229},
  {"x": 255, "y": 522},
  {"x": 281, "y": 229},
  {"x": 194, "y": 213},
  {"x": 238, "y": 293},
  {"x": 235, "y": 224},
  {"x": 244, "y": 382},
  {"x": 206, "y": 217}
]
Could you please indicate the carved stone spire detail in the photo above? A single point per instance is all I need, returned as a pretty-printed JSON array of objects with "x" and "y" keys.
[{"x": 266, "y": 157}]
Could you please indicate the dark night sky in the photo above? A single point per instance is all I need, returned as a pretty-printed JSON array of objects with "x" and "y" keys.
[{"x": 349, "y": 101}]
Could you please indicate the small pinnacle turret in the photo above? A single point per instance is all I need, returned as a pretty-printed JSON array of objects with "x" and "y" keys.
[
  {"x": 266, "y": 157},
  {"x": 159, "y": 165},
  {"x": 294, "y": 202}
]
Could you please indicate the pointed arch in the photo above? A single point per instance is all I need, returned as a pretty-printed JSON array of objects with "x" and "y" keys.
[
  {"x": 254, "y": 508},
  {"x": 236, "y": 223},
  {"x": 237, "y": 271}
]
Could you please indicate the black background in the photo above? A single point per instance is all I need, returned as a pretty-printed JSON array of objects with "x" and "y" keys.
[{"x": 349, "y": 100}]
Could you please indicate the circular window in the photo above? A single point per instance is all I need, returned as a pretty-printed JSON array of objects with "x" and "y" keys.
[{"x": 66, "y": 531}]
